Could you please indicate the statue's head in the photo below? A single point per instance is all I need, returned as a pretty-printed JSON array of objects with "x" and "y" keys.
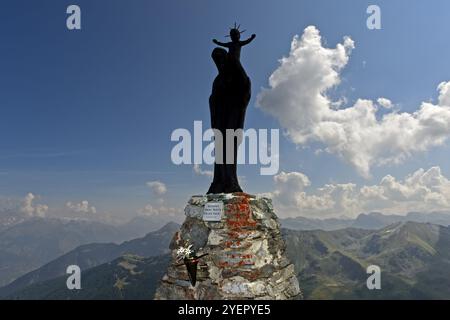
[{"x": 235, "y": 34}]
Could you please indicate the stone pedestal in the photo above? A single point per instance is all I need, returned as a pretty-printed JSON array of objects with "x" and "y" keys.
[{"x": 246, "y": 253}]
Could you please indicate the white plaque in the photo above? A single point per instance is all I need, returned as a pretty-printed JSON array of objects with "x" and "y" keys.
[{"x": 213, "y": 211}]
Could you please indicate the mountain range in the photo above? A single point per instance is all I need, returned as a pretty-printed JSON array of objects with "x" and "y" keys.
[
  {"x": 91, "y": 255},
  {"x": 9, "y": 217},
  {"x": 414, "y": 259},
  {"x": 371, "y": 221},
  {"x": 27, "y": 244}
]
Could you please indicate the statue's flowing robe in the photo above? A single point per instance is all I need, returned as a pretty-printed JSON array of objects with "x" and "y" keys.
[{"x": 228, "y": 102}]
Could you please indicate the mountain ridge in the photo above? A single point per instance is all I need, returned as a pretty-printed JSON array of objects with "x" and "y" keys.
[
  {"x": 414, "y": 259},
  {"x": 91, "y": 255},
  {"x": 371, "y": 221}
]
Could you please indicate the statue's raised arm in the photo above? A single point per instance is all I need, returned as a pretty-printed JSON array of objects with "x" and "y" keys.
[
  {"x": 246, "y": 42},
  {"x": 222, "y": 44}
]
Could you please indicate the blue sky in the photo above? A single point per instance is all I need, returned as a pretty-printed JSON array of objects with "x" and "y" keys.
[{"x": 88, "y": 114}]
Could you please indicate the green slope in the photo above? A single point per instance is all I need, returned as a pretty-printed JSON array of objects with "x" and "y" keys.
[
  {"x": 129, "y": 277},
  {"x": 413, "y": 257}
]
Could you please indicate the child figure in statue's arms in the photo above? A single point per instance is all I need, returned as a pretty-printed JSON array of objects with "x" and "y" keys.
[{"x": 234, "y": 47}]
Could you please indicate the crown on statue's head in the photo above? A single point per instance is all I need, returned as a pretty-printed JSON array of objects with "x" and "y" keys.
[{"x": 235, "y": 30}]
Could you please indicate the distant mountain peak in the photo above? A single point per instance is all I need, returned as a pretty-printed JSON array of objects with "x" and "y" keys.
[{"x": 170, "y": 226}]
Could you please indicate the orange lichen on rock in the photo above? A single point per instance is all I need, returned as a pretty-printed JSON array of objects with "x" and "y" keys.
[{"x": 239, "y": 215}]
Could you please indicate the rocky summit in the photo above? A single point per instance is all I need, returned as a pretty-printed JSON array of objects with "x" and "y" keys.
[{"x": 242, "y": 252}]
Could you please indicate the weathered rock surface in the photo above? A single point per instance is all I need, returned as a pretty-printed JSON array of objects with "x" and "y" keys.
[{"x": 246, "y": 253}]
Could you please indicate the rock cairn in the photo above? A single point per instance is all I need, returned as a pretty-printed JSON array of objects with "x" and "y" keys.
[{"x": 245, "y": 258}]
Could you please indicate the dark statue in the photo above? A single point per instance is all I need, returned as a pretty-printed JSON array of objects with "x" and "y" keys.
[{"x": 228, "y": 102}]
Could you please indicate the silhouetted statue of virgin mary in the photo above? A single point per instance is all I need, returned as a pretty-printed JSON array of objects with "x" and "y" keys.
[{"x": 228, "y": 102}]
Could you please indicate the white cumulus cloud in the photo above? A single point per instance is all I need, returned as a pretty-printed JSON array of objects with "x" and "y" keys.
[
  {"x": 199, "y": 171},
  {"x": 81, "y": 207},
  {"x": 422, "y": 190},
  {"x": 297, "y": 98},
  {"x": 158, "y": 188},
  {"x": 31, "y": 209},
  {"x": 385, "y": 103}
]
